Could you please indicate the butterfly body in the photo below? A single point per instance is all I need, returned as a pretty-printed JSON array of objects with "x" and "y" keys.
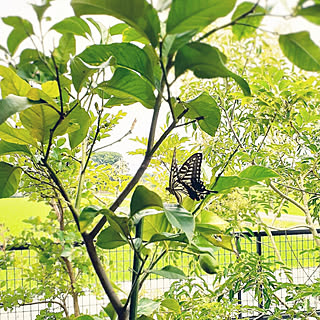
[{"x": 186, "y": 179}]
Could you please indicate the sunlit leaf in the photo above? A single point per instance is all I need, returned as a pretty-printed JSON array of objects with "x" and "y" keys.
[
  {"x": 9, "y": 179},
  {"x": 147, "y": 306},
  {"x": 12, "y": 104},
  {"x": 8, "y": 148},
  {"x": 110, "y": 239},
  {"x": 74, "y": 25},
  {"x": 206, "y": 62},
  {"x": 87, "y": 216},
  {"x": 206, "y": 107},
  {"x": 181, "y": 219},
  {"x": 250, "y": 22},
  {"x": 139, "y": 14},
  {"x": 128, "y": 85},
  {"x": 170, "y": 272},
  {"x": 142, "y": 199},
  {"x": 311, "y": 13},
  {"x": 186, "y": 15},
  {"x": 16, "y": 135},
  {"x": 12, "y": 83},
  {"x": 258, "y": 173},
  {"x": 301, "y": 50},
  {"x": 22, "y": 29},
  {"x": 125, "y": 55}
]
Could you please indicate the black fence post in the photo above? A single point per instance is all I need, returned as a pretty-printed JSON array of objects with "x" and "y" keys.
[{"x": 259, "y": 252}]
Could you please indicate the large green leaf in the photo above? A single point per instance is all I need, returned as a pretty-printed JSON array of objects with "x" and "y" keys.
[
  {"x": 181, "y": 219},
  {"x": 147, "y": 306},
  {"x": 127, "y": 84},
  {"x": 227, "y": 183},
  {"x": 74, "y": 25},
  {"x": 142, "y": 199},
  {"x": 311, "y": 13},
  {"x": 87, "y": 216},
  {"x": 204, "y": 106},
  {"x": 9, "y": 179},
  {"x": 301, "y": 50},
  {"x": 120, "y": 224},
  {"x": 166, "y": 236},
  {"x": 81, "y": 71},
  {"x": 39, "y": 120},
  {"x": 258, "y": 173},
  {"x": 67, "y": 47},
  {"x": 12, "y": 104},
  {"x": 125, "y": 55},
  {"x": 12, "y": 83},
  {"x": 186, "y": 15},
  {"x": 171, "y": 304},
  {"x": 15, "y": 135},
  {"x": 139, "y": 14},
  {"x": 110, "y": 239},
  {"x": 154, "y": 225},
  {"x": 170, "y": 272},
  {"x": 206, "y": 62},
  {"x": 250, "y": 22},
  {"x": 22, "y": 29},
  {"x": 81, "y": 117},
  {"x": 8, "y": 148}
]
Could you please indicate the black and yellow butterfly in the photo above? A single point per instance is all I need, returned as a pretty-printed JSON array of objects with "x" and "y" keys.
[{"x": 186, "y": 179}]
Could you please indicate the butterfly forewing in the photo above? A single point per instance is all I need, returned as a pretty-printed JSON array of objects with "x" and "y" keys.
[{"x": 186, "y": 180}]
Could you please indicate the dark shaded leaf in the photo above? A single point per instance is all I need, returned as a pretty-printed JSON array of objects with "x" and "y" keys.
[{"x": 9, "y": 179}]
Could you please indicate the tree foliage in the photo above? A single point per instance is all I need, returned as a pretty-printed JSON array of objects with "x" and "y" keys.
[{"x": 55, "y": 108}]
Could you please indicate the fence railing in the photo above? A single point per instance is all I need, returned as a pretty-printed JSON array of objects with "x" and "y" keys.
[{"x": 290, "y": 243}]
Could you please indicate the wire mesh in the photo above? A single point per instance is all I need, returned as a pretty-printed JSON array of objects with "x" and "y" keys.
[{"x": 293, "y": 246}]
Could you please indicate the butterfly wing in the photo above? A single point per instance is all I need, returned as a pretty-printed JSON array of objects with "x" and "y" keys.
[
  {"x": 186, "y": 180},
  {"x": 175, "y": 187}
]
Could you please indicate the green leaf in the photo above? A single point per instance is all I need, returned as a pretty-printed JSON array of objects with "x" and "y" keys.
[
  {"x": 74, "y": 25},
  {"x": 301, "y": 50},
  {"x": 39, "y": 120},
  {"x": 171, "y": 304},
  {"x": 181, "y": 219},
  {"x": 258, "y": 173},
  {"x": 67, "y": 47},
  {"x": 39, "y": 95},
  {"x": 131, "y": 34},
  {"x": 311, "y": 13},
  {"x": 14, "y": 135},
  {"x": 85, "y": 317},
  {"x": 222, "y": 241},
  {"x": 120, "y": 224},
  {"x": 127, "y": 84},
  {"x": 139, "y": 14},
  {"x": 40, "y": 10},
  {"x": 22, "y": 29},
  {"x": 155, "y": 224},
  {"x": 226, "y": 183},
  {"x": 81, "y": 71},
  {"x": 102, "y": 29},
  {"x": 166, "y": 236},
  {"x": 9, "y": 179},
  {"x": 142, "y": 199},
  {"x": 204, "y": 106},
  {"x": 8, "y": 148},
  {"x": 81, "y": 117},
  {"x": 206, "y": 62},
  {"x": 147, "y": 306},
  {"x": 186, "y": 15},
  {"x": 252, "y": 22},
  {"x": 201, "y": 245},
  {"x": 12, "y": 104},
  {"x": 12, "y": 83},
  {"x": 110, "y": 239},
  {"x": 125, "y": 55},
  {"x": 170, "y": 272},
  {"x": 87, "y": 216}
]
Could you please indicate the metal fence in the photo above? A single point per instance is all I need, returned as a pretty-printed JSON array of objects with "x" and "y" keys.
[{"x": 304, "y": 269}]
